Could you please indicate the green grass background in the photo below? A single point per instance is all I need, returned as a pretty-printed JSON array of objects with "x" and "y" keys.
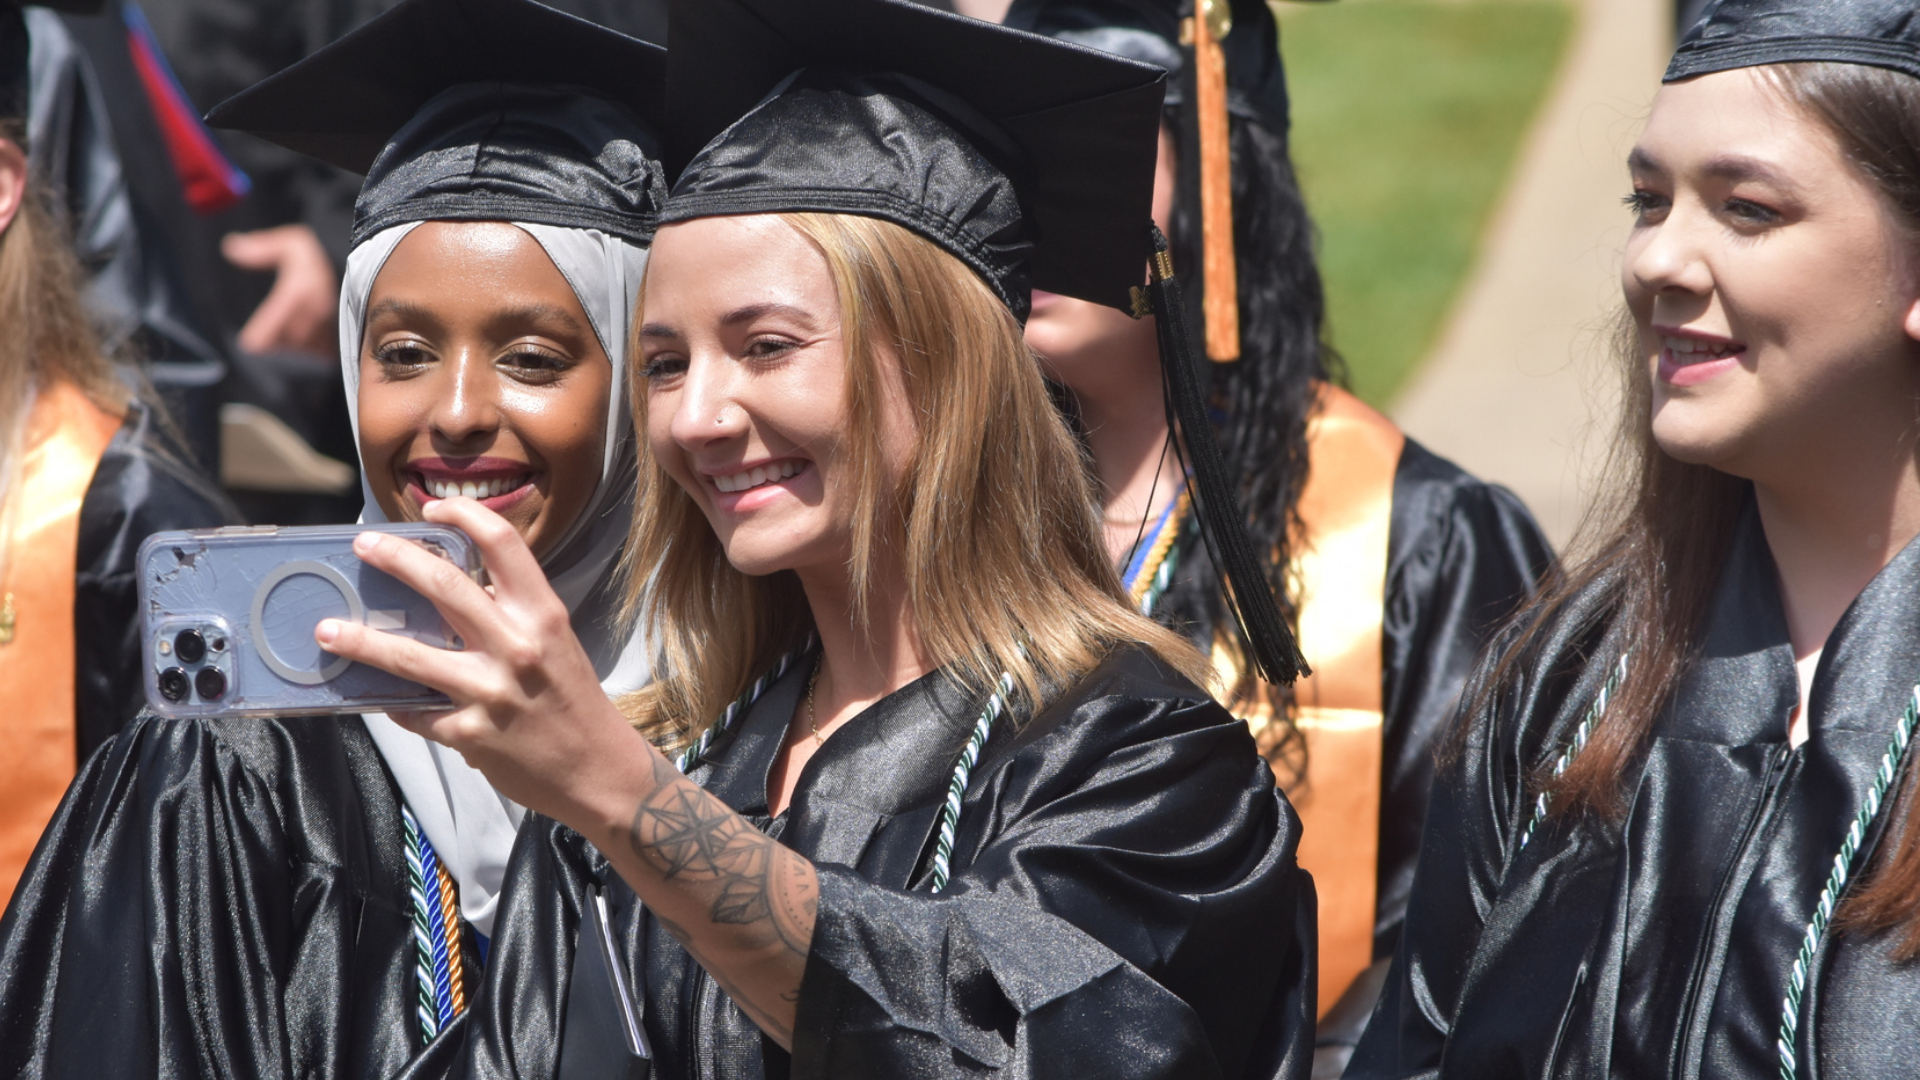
[{"x": 1407, "y": 116}]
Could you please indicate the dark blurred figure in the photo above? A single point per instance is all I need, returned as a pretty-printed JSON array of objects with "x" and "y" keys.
[{"x": 85, "y": 470}]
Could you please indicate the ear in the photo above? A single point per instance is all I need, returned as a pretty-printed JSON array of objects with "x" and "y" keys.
[{"x": 13, "y": 181}]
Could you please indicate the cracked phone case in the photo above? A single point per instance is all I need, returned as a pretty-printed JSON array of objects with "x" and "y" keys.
[{"x": 228, "y": 618}]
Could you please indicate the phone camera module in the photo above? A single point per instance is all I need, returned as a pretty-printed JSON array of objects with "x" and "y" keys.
[
  {"x": 189, "y": 646},
  {"x": 212, "y": 684},
  {"x": 174, "y": 684}
]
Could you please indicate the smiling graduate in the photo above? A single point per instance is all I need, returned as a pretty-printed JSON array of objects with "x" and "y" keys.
[
  {"x": 1677, "y": 835},
  {"x": 313, "y": 896}
]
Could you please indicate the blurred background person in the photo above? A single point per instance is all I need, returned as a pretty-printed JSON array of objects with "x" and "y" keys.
[{"x": 85, "y": 475}]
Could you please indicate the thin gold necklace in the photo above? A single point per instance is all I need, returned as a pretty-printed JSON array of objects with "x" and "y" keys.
[{"x": 813, "y": 718}]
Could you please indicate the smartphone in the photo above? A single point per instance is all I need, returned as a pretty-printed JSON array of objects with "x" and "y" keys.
[{"x": 228, "y": 617}]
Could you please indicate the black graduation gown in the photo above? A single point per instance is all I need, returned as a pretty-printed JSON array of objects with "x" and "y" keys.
[
  {"x": 1461, "y": 556},
  {"x": 139, "y": 488},
  {"x": 216, "y": 899},
  {"x": 1660, "y": 945},
  {"x": 1124, "y": 901}
]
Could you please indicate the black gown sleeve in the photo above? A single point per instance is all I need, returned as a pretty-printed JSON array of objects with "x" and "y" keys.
[
  {"x": 1133, "y": 896},
  {"x": 205, "y": 904},
  {"x": 1462, "y": 556},
  {"x": 138, "y": 489}
]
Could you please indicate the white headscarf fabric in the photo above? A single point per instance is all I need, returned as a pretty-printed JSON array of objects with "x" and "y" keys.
[{"x": 470, "y": 825}]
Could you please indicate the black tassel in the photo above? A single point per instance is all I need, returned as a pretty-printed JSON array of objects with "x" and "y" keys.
[{"x": 1264, "y": 633}]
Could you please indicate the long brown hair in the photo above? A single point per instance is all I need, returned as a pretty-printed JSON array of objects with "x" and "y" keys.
[
  {"x": 994, "y": 520},
  {"x": 1662, "y": 537},
  {"x": 44, "y": 330}
]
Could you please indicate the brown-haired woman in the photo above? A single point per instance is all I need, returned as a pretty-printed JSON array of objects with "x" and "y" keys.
[
  {"x": 1677, "y": 836},
  {"x": 970, "y": 811},
  {"x": 84, "y": 477}
]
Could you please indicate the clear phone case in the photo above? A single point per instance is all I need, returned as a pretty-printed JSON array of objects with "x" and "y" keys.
[{"x": 229, "y": 616}]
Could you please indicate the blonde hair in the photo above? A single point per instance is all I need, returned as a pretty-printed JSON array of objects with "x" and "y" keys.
[{"x": 1005, "y": 570}]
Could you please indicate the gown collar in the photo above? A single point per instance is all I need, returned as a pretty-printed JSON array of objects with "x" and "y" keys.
[{"x": 1744, "y": 686}]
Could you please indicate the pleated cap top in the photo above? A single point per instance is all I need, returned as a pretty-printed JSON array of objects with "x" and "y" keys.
[
  {"x": 1029, "y": 159},
  {"x": 491, "y": 110}
]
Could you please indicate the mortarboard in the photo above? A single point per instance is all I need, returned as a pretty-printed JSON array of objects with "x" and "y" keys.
[
  {"x": 452, "y": 116},
  {"x": 1748, "y": 33},
  {"x": 1226, "y": 62},
  {"x": 1029, "y": 159}
]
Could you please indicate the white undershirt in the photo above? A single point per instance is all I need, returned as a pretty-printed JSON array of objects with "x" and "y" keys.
[{"x": 1798, "y": 725}]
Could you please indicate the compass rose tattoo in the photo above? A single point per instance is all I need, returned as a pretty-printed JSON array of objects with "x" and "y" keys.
[{"x": 746, "y": 878}]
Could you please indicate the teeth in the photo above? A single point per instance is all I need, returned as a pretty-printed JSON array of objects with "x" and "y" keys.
[
  {"x": 762, "y": 474},
  {"x": 472, "y": 489},
  {"x": 1694, "y": 349}
]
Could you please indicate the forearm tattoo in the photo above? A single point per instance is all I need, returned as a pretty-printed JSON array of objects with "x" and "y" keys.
[{"x": 691, "y": 837}]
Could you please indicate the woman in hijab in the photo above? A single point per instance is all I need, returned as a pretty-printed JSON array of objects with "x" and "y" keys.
[
  {"x": 968, "y": 811},
  {"x": 1677, "y": 836},
  {"x": 313, "y": 896}
]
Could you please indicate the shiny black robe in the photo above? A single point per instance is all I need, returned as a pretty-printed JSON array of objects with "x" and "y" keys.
[
  {"x": 216, "y": 898},
  {"x": 1659, "y": 944},
  {"x": 1124, "y": 901}
]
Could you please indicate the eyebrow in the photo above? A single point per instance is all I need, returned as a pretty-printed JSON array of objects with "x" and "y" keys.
[
  {"x": 735, "y": 317},
  {"x": 1734, "y": 167},
  {"x": 527, "y": 313},
  {"x": 550, "y": 313}
]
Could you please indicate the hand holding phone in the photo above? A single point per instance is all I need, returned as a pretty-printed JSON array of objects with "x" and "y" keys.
[{"x": 229, "y": 617}]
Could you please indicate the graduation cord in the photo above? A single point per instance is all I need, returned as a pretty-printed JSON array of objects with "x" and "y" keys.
[
  {"x": 1837, "y": 884},
  {"x": 436, "y": 932},
  {"x": 962, "y": 774},
  {"x": 1576, "y": 744},
  {"x": 689, "y": 757},
  {"x": 1151, "y": 574}
]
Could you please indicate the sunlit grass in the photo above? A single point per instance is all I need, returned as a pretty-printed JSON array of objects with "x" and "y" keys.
[{"x": 1407, "y": 116}]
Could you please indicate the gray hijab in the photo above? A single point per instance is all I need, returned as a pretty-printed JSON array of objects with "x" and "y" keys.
[{"x": 470, "y": 825}]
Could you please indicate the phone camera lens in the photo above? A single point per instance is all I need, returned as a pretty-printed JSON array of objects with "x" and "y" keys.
[
  {"x": 211, "y": 682},
  {"x": 174, "y": 684},
  {"x": 190, "y": 647}
]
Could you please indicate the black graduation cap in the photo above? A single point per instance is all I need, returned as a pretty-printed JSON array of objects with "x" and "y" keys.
[
  {"x": 1068, "y": 131},
  {"x": 1747, "y": 33},
  {"x": 1027, "y": 158},
  {"x": 476, "y": 110},
  {"x": 1150, "y": 31}
]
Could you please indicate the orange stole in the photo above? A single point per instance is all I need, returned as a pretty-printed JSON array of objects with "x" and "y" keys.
[
  {"x": 1347, "y": 510},
  {"x": 66, "y": 435}
]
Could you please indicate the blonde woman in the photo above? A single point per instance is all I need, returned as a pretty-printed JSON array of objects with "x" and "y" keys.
[{"x": 967, "y": 809}]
